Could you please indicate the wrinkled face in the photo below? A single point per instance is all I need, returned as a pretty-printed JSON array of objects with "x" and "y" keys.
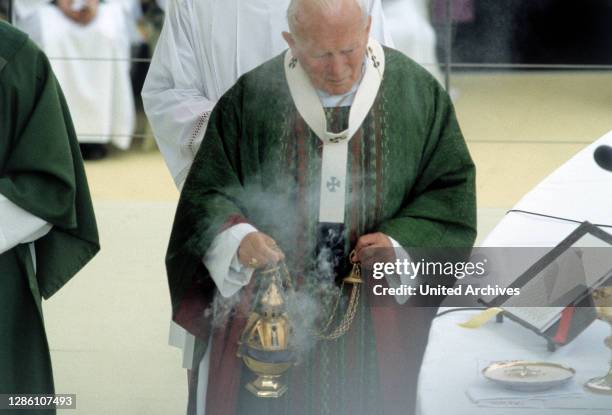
[{"x": 331, "y": 47}]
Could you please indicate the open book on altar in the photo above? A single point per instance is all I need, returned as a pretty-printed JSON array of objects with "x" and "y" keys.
[{"x": 555, "y": 290}]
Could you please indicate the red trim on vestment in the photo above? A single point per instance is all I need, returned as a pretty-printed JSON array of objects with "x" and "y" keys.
[
  {"x": 401, "y": 337},
  {"x": 192, "y": 314},
  {"x": 225, "y": 366},
  {"x": 233, "y": 220}
]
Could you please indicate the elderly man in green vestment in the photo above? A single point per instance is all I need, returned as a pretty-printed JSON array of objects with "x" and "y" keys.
[
  {"x": 47, "y": 225},
  {"x": 338, "y": 144}
]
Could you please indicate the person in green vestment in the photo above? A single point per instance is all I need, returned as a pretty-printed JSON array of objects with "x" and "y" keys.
[
  {"x": 47, "y": 226},
  {"x": 338, "y": 144}
]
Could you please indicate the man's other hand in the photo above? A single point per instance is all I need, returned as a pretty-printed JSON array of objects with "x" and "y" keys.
[
  {"x": 369, "y": 248},
  {"x": 258, "y": 250}
]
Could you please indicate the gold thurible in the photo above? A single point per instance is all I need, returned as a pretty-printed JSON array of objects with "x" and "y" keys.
[{"x": 265, "y": 345}]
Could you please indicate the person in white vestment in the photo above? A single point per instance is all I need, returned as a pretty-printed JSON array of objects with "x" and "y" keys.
[
  {"x": 410, "y": 25},
  {"x": 88, "y": 44}
]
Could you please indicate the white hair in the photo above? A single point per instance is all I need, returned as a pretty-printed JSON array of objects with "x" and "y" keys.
[{"x": 324, "y": 5}]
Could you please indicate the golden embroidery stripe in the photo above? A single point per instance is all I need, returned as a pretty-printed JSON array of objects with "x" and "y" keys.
[
  {"x": 301, "y": 131},
  {"x": 378, "y": 137}
]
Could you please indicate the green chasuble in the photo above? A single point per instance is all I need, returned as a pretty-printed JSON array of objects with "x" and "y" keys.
[
  {"x": 41, "y": 171},
  {"x": 409, "y": 175}
]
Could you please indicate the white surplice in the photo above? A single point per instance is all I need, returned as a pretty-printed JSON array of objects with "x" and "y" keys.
[
  {"x": 91, "y": 63},
  {"x": 410, "y": 26}
]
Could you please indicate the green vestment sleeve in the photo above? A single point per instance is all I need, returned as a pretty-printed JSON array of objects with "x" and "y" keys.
[
  {"x": 41, "y": 169},
  {"x": 440, "y": 209},
  {"x": 208, "y": 203}
]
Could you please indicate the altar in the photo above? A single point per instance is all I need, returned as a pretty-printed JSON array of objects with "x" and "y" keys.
[{"x": 451, "y": 379}]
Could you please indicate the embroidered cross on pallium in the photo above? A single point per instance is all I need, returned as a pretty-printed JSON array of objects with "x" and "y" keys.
[
  {"x": 332, "y": 184},
  {"x": 293, "y": 63}
]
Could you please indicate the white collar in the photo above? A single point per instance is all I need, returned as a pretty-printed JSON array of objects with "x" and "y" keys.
[
  {"x": 309, "y": 105},
  {"x": 342, "y": 100}
]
